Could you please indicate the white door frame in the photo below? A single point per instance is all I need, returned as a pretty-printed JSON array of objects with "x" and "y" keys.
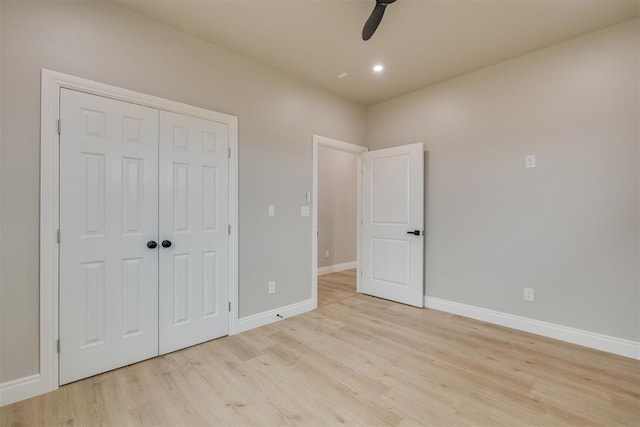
[
  {"x": 52, "y": 82},
  {"x": 321, "y": 141}
]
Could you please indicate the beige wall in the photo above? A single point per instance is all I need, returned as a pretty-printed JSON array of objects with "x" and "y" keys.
[
  {"x": 337, "y": 206},
  {"x": 104, "y": 42},
  {"x": 568, "y": 228}
]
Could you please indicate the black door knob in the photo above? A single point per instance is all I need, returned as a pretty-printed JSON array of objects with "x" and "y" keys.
[
  {"x": 166, "y": 243},
  {"x": 151, "y": 244},
  {"x": 414, "y": 232}
]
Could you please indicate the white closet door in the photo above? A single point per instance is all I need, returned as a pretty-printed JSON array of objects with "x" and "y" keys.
[
  {"x": 194, "y": 201},
  {"x": 108, "y": 213}
]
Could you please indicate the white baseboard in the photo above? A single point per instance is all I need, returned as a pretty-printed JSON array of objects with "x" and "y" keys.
[
  {"x": 21, "y": 388},
  {"x": 337, "y": 267},
  {"x": 589, "y": 339},
  {"x": 271, "y": 316}
]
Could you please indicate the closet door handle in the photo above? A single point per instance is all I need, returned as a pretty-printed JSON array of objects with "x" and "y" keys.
[
  {"x": 166, "y": 243},
  {"x": 414, "y": 232},
  {"x": 151, "y": 244}
]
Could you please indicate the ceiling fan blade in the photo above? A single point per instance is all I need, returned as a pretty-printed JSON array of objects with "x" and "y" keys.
[{"x": 374, "y": 20}]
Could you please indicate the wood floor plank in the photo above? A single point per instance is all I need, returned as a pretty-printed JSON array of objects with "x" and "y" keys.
[{"x": 357, "y": 360}]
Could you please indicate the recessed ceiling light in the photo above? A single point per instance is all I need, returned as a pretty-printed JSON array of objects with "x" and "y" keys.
[
  {"x": 378, "y": 68},
  {"x": 342, "y": 75}
]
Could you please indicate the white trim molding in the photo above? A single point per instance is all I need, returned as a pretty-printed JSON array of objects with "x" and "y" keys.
[
  {"x": 20, "y": 389},
  {"x": 256, "y": 320},
  {"x": 337, "y": 267},
  {"x": 619, "y": 346},
  {"x": 47, "y": 379}
]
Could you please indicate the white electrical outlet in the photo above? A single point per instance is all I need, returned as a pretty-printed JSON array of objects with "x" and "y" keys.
[
  {"x": 528, "y": 294},
  {"x": 305, "y": 210},
  {"x": 530, "y": 161},
  {"x": 271, "y": 210},
  {"x": 326, "y": 254},
  {"x": 272, "y": 287}
]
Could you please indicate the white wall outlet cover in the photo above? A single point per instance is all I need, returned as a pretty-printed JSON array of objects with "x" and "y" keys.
[
  {"x": 272, "y": 287},
  {"x": 271, "y": 210},
  {"x": 305, "y": 211},
  {"x": 326, "y": 254},
  {"x": 530, "y": 161}
]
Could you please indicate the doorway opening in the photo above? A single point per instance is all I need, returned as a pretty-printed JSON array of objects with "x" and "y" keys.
[{"x": 336, "y": 205}]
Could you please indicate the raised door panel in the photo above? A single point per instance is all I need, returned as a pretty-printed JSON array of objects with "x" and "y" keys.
[
  {"x": 390, "y": 190},
  {"x": 181, "y": 282},
  {"x": 132, "y": 294},
  {"x": 108, "y": 212},
  {"x": 92, "y": 190},
  {"x": 210, "y": 202},
  {"x": 93, "y": 304},
  {"x": 132, "y": 195},
  {"x": 210, "y": 287},
  {"x": 194, "y": 203}
]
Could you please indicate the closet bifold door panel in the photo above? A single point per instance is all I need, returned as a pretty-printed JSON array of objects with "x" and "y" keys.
[
  {"x": 194, "y": 254},
  {"x": 108, "y": 285}
]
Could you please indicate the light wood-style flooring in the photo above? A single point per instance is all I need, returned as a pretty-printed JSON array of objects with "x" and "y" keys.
[{"x": 357, "y": 360}]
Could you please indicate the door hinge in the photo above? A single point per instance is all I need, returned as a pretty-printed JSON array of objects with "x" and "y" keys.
[
  {"x": 58, "y": 236},
  {"x": 59, "y": 127},
  {"x": 58, "y": 346},
  {"x": 229, "y": 229},
  {"x": 229, "y": 306},
  {"x": 229, "y": 152}
]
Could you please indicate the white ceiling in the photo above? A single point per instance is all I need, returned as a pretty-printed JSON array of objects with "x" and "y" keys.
[{"x": 420, "y": 42}]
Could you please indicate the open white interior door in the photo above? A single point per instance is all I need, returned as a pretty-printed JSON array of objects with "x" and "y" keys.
[{"x": 392, "y": 224}]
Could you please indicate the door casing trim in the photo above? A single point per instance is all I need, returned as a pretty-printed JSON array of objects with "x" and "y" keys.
[{"x": 52, "y": 82}]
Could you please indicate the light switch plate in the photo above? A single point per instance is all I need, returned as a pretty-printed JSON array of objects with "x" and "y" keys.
[
  {"x": 305, "y": 211},
  {"x": 271, "y": 210},
  {"x": 530, "y": 161}
]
